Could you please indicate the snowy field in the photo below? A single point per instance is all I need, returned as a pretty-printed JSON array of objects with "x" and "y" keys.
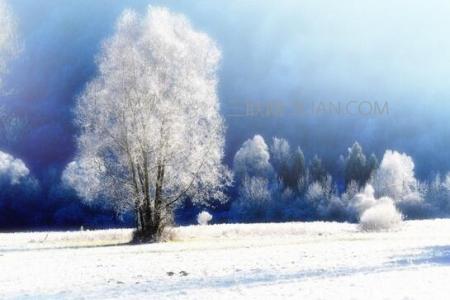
[{"x": 291, "y": 260}]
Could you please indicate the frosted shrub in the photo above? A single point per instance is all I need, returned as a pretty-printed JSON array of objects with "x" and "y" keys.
[
  {"x": 381, "y": 216},
  {"x": 363, "y": 201},
  {"x": 204, "y": 218},
  {"x": 374, "y": 214}
]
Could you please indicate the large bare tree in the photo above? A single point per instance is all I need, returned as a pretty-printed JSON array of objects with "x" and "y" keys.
[{"x": 151, "y": 132}]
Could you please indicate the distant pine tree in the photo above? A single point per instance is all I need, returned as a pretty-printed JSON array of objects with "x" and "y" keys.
[
  {"x": 357, "y": 167},
  {"x": 317, "y": 172}
]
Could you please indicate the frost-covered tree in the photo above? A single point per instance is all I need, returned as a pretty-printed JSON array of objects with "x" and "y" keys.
[
  {"x": 253, "y": 171},
  {"x": 297, "y": 174},
  {"x": 8, "y": 37},
  {"x": 395, "y": 178},
  {"x": 289, "y": 165},
  {"x": 280, "y": 151},
  {"x": 150, "y": 122},
  {"x": 254, "y": 200},
  {"x": 437, "y": 196},
  {"x": 316, "y": 171},
  {"x": 252, "y": 159},
  {"x": 321, "y": 197},
  {"x": 357, "y": 167},
  {"x": 372, "y": 164}
]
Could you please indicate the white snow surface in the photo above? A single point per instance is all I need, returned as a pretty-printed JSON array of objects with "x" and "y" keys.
[{"x": 277, "y": 261}]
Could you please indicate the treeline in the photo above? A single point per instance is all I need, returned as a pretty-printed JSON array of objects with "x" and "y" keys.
[
  {"x": 272, "y": 183},
  {"x": 276, "y": 183}
]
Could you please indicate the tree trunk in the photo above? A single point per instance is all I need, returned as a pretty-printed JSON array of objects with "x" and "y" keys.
[
  {"x": 159, "y": 209},
  {"x": 152, "y": 221}
]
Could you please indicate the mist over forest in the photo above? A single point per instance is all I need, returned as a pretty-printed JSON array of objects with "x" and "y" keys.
[{"x": 295, "y": 51}]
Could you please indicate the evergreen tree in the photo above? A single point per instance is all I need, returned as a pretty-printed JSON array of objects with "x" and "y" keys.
[
  {"x": 356, "y": 166},
  {"x": 297, "y": 178},
  {"x": 372, "y": 164},
  {"x": 317, "y": 172}
]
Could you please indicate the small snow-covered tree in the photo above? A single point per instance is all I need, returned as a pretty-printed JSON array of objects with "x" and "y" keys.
[
  {"x": 372, "y": 165},
  {"x": 8, "y": 37},
  {"x": 253, "y": 171},
  {"x": 316, "y": 171},
  {"x": 150, "y": 122},
  {"x": 297, "y": 175},
  {"x": 321, "y": 196},
  {"x": 289, "y": 165},
  {"x": 280, "y": 151},
  {"x": 446, "y": 182},
  {"x": 358, "y": 168},
  {"x": 437, "y": 196},
  {"x": 252, "y": 159},
  {"x": 254, "y": 199},
  {"x": 395, "y": 178}
]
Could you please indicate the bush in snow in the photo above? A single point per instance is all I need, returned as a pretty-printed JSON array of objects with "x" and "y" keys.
[
  {"x": 204, "y": 218},
  {"x": 381, "y": 216},
  {"x": 362, "y": 201},
  {"x": 374, "y": 214}
]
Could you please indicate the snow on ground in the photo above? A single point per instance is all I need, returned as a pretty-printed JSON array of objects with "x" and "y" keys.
[
  {"x": 46, "y": 240},
  {"x": 292, "y": 260}
]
